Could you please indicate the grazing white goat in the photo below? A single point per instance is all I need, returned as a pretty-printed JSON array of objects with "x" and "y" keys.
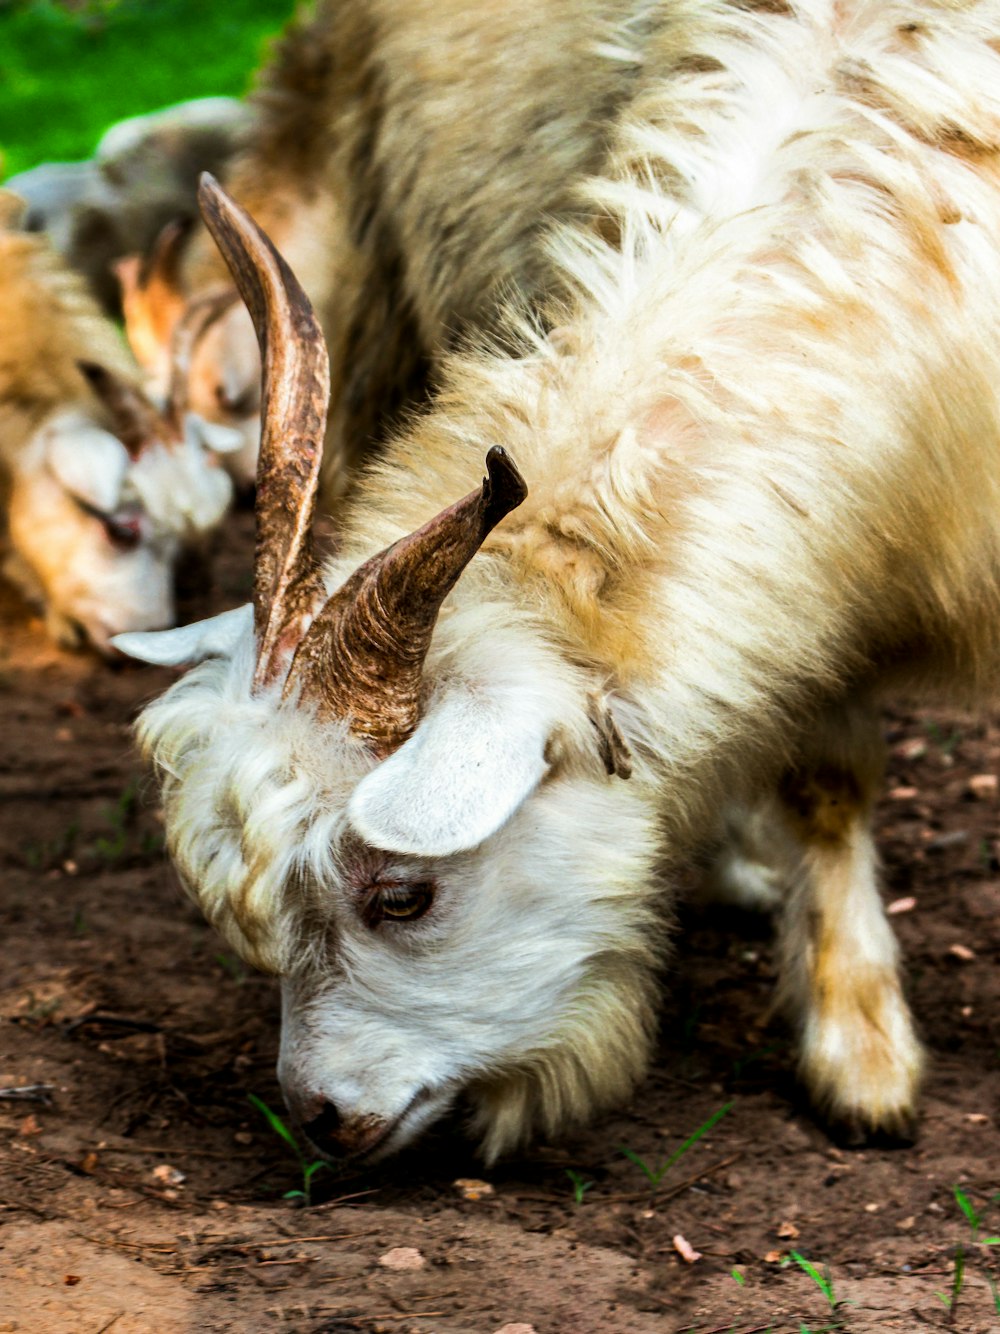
[
  {"x": 102, "y": 490},
  {"x": 762, "y": 463}
]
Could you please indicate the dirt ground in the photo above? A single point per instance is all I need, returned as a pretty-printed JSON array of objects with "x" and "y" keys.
[{"x": 144, "y": 1192}]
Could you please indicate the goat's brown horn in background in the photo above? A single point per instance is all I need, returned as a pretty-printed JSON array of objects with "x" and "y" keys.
[
  {"x": 134, "y": 419},
  {"x": 162, "y": 267},
  {"x": 295, "y": 392},
  {"x": 363, "y": 655},
  {"x": 190, "y": 329}
]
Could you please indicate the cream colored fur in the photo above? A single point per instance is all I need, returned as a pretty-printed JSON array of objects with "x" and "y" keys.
[
  {"x": 763, "y": 486},
  {"x": 58, "y": 455}
]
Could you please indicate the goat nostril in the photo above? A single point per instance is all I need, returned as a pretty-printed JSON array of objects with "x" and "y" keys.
[{"x": 321, "y": 1129}]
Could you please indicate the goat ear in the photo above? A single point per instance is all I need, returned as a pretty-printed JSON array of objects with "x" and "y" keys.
[
  {"x": 462, "y": 774},
  {"x": 90, "y": 463},
  {"x": 213, "y": 435},
  {"x": 218, "y": 637}
]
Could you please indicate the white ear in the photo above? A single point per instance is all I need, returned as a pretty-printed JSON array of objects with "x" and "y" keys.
[
  {"x": 468, "y": 767},
  {"x": 213, "y": 435},
  {"x": 217, "y": 637},
  {"x": 90, "y": 463}
]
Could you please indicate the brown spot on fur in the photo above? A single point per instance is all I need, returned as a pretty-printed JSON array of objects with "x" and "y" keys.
[{"x": 823, "y": 803}]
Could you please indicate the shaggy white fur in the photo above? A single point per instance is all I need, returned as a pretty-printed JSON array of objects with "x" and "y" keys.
[{"x": 763, "y": 484}]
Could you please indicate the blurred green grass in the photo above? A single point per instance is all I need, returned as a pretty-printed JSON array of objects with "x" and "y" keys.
[{"x": 69, "y": 70}]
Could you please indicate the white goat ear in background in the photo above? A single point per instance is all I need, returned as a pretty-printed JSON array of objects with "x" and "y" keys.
[
  {"x": 89, "y": 462},
  {"x": 216, "y": 637},
  {"x": 213, "y": 435},
  {"x": 468, "y": 767}
]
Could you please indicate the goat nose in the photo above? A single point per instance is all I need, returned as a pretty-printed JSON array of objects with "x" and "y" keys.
[{"x": 338, "y": 1136}]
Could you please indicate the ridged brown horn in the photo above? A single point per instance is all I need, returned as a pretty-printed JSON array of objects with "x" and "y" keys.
[
  {"x": 363, "y": 655},
  {"x": 190, "y": 329},
  {"x": 295, "y": 393},
  {"x": 134, "y": 419}
]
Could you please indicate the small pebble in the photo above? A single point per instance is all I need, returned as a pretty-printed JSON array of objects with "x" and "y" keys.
[
  {"x": 167, "y": 1175},
  {"x": 961, "y": 952},
  {"x": 402, "y": 1257},
  {"x": 516, "y": 1329},
  {"x": 905, "y": 1224},
  {"x": 685, "y": 1250},
  {"x": 901, "y": 905},
  {"x": 788, "y": 1231},
  {"x": 982, "y": 786},
  {"x": 471, "y": 1189},
  {"x": 902, "y": 793}
]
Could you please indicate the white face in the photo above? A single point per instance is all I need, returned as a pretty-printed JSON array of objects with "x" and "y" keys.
[
  {"x": 505, "y": 955},
  {"x": 460, "y": 975},
  {"x": 96, "y": 535}
]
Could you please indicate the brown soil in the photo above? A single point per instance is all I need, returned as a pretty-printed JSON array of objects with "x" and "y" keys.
[{"x": 114, "y": 992}]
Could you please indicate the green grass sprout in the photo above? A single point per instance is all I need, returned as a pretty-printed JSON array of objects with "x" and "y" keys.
[
  {"x": 308, "y": 1169},
  {"x": 580, "y": 1185},
  {"x": 656, "y": 1174},
  {"x": 822, "y": 1281},
  {"x": 975, "y": 1222}
]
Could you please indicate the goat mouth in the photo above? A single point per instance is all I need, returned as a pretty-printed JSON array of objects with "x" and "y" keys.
[{"x": 425, "y": 1106}]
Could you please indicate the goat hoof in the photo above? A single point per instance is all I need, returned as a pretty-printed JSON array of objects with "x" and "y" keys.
[{"x": 854, "y": 1131}]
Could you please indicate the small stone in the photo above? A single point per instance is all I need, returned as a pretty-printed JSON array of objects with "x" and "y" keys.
[
  {"x": 471, "y": 1189},
  {"x": 913, "y": 749},
  {"x": 871, "y": 1208},
  {"x": 788, "y": 1232},
  {"x": 772, "y": 1258},
  {"x": 898, "y": 906},
  {"x": 977, "y": 1118},
  {"x": 685, "y": 1250},
  {"x": 29, "y": 1126},
  {"x": 961, "y": 952},
  {"x": 220, "y": 1204},
  {"x": 402, "y": 1257},
  {"x": 982, "y": 786},
  {"x": 905, "y": 1224},
  {"x": 243, "y": 1137},
  {"x": 70, "y": 867},
  {"x": 166, "y": 1175},
  {"x": 71, "y": 1280},
  {"x": 516, "y": 1329},
  {"x": 902, "y": 793}
]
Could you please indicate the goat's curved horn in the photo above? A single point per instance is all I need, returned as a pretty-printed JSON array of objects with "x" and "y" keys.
[
  {"x": 363, "y": 655},
  {"x": 134, "y": 419},
  {"x": 295, "y": 393},
  {"x": 188, "y": 332},
  {"x": 162, "y": 267}
]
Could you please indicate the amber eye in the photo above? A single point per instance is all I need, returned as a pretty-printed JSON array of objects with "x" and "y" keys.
[{"x": 397, "y": 903}]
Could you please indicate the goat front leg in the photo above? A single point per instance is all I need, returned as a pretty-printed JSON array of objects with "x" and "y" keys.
[{"x": 838, "y": 958}]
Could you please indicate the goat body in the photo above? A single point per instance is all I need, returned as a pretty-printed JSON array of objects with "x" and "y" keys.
[
  {"x": 763, "y": 488},
  {"x": 406, "y": 161}
]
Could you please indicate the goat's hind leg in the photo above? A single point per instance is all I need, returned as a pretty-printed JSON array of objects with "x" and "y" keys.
[{"x": 838, "y": 958}]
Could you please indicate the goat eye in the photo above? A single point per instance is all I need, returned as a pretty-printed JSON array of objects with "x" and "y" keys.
[
  {"x": 124, "y": 533},
  {"x": 397, "y": 903}
]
